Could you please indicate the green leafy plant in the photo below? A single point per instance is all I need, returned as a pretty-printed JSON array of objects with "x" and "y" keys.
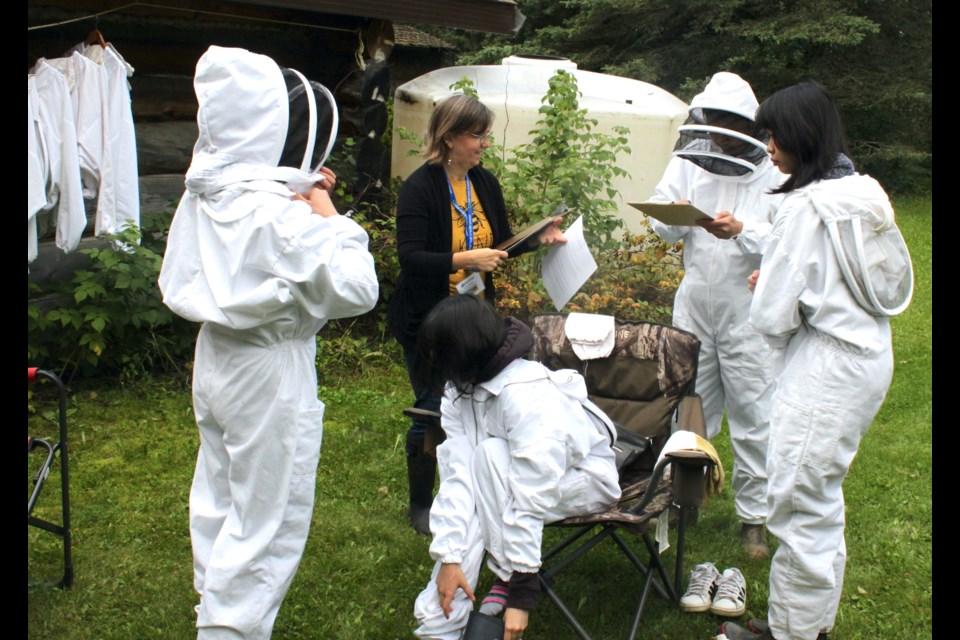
[
  {"x": 110, "y": 317},
  {"x": 565, "y": 161}
]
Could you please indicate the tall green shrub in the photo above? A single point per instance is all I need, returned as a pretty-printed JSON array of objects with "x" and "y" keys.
[{"x": 567, "y": 160}]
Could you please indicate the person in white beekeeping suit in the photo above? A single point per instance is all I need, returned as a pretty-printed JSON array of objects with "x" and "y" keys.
[
  {"x": 720, "y": 165},
  {"x": 258, "y": 254},
  {"x": 834, "y": 271},
  {"x": 524, "y": 447}
]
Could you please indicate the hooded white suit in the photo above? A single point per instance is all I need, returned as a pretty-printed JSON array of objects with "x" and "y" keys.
[
  {"x": 713, "y": 300},
  {"x": 520, "y": 451},
  {"x": 833, "y": 365},
  {"x": 263, "y": 275}
]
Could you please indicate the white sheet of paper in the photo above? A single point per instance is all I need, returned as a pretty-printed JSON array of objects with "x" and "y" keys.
[{"x": 567, "y": 266}]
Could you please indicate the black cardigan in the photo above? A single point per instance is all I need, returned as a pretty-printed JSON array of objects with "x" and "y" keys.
[{"x": 424, "y": 237}]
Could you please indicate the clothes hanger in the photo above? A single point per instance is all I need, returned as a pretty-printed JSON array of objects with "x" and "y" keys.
[{"x": 95, "y": 37}]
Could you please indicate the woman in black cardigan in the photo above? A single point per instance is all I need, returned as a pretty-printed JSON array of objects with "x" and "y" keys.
[{"x": 450, "y": 214}]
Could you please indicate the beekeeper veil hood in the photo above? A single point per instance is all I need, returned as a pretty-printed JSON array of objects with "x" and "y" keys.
[
  {"x": 720, "y": 134},
  {"x": 258, "y": 122},
  {"x": 313, "y": 121}
]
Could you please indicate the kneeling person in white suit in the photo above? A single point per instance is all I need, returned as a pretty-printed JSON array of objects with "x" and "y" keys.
[{"x": 521, "y": 451}]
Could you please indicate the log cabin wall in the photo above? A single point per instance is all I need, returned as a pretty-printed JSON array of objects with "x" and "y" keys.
[{"x": 358, "y": 59}]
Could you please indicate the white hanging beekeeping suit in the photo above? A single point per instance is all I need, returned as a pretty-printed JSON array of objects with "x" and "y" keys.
[
  {"x": 88, "y": 91},
  {"x": 263, "y": 275},
  {"x": 833, "y": 365},
  {"x": 122, "y": 141},
  {"x": 713, "y": 300},
  {"x": 53, "y": 169}
]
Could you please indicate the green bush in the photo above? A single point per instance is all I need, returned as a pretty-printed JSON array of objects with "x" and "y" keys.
[{"x": 110, "y": 317}]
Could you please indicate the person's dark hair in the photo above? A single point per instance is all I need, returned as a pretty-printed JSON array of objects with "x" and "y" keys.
[
  {"x": 804, "y": 123},
  {"x": 456, "y": 339},
  {"x": 453, "y": 116}
]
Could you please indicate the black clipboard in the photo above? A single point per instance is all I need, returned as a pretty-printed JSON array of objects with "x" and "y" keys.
[{"x": 517, "y": 241}]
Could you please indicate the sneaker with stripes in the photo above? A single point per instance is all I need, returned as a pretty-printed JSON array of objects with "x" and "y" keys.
[{"x": 731, "y": 597}]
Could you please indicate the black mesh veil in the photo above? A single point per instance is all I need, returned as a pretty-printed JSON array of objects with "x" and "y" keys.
[
  {"x": 718, "y": 149},
  {"x": 307, "y": 147}
]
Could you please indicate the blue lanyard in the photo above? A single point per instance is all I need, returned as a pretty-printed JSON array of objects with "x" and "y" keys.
[{"x": 468, "y": 214}]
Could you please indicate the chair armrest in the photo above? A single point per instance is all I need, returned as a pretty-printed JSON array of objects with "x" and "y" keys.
[
  {"x": 690, "y": 415},
  {"x": 690, "y": 468},
  {"x": 435, "y": 434},
  {"x": 691, "y": 457},
  {"x": 422, "y": 414}
]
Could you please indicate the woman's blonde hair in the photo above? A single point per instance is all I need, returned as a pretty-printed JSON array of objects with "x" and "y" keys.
[{"x": 453, "y": 116}]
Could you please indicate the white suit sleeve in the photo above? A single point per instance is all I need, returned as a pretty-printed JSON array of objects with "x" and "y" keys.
[
  {"x": 331, "y": 271},
  {"x": 57, "y": 136},
  {"x": 775, "y": 309},
  {"x": 671, "y": 188},
  {"x": 36, "y": 193},
  {"x": 123, "y": 142},
  {"x": 454, "y": 503},
  {"x": 753, "y": 238}
]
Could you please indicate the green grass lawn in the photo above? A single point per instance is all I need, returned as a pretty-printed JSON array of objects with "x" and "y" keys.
[{"x": 131, "y": 460}]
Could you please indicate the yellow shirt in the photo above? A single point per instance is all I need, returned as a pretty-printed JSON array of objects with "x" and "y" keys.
[{"x": 482, "y": 233}]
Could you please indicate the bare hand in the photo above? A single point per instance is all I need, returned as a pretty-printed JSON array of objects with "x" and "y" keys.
[
  {"x": 752, "y": 280},
  {"x": 479, "y": 259},
  {"x": 449, "y": 579},
  {"x": 515, "y": 623},
  {"x": 319, "y": 201},
  {"x": 723, "y": 225},
  {"x": 552, "y": 234},
  {"x": 329, "y": 181}
]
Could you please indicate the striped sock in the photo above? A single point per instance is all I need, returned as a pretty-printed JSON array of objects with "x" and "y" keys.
[{"x": 496, "y": 601}]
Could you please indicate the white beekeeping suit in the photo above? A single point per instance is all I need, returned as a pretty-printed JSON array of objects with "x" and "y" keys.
[
  {"x": 263, "y": 274},
  {"x": 520, "y": 451},
  {"x": 713, "y": 300},
  {"x": 834, "y": 365},
  {"x": 122, "y": 144},
  {"x": 36, "y": 191},
  {"x": 88, "y": 92},
  {"x": 53, "y": 169}
]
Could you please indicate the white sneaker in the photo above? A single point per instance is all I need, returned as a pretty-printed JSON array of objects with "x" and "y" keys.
[
  {"x": 703, "y": 584},
  {"x": 731, "y": 597}
]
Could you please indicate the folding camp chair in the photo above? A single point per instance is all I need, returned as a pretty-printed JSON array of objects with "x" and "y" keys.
[
  {"x": 645, "y": 384},
  {"x": 49, "y": 451}
]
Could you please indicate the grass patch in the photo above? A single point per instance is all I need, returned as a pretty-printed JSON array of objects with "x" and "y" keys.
[{"x": 133, "y": 450}]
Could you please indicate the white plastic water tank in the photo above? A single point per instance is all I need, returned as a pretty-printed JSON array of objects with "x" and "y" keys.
[{"x": 514, "y": 89}]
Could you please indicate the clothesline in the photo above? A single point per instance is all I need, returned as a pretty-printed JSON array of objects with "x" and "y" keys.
[{"x": 96, "y": 16}]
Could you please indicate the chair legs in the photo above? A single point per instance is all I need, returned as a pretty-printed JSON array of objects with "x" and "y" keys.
[
  {"x": 654, "y": 574},
  {"x": 54, "y": 450}
]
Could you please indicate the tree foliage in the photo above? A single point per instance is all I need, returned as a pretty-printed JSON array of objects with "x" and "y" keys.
[{"x": 873, "y": 56}]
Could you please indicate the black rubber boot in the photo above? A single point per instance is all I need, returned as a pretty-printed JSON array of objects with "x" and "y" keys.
[{"x": 421, "y": 474}]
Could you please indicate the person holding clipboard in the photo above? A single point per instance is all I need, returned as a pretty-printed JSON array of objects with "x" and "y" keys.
[
  {"x": 450, "y": 215},
  {"x": 721, "y": 167}
]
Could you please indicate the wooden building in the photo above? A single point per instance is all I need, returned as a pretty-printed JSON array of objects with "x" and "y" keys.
[{"x": 361, "y": 50}]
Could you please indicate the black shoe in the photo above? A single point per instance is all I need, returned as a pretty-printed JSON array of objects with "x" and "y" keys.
[
  {"x": 758, "y": 625},
  {"x": 419, "y": 518},
  {"x": 733, "y": 631},
  {"x": 421, "y": 475}
]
